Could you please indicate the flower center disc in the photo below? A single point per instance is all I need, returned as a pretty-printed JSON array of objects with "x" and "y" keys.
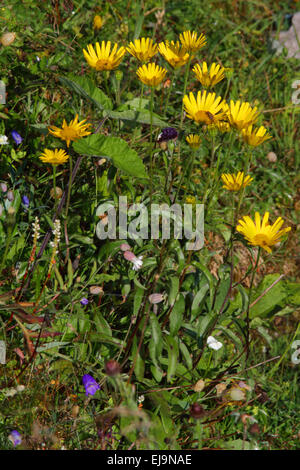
[
  {"x": 261, "y": 239},
  {"x": 69, "y": 133},
  {"x": 204, "y": 116}
]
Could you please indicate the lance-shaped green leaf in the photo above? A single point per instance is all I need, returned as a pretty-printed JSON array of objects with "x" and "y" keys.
[
  {"x": 85, "y": 87},
  {"x": 115, "y": 149},
  {"x": 142, "y": 116}
]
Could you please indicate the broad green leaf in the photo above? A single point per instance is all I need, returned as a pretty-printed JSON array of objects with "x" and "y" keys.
[
  {"x": 273, "y": 300},
  {"x": 210, "y": 279},
  {"x": 222, "y": 293},
  {"x": 139, "y": 364},
  {"x": 185, "y": 352},
  {"x": 142, "y": 116},
  {"x": 86, "y": 88},
  {"x": 198, "y": 299},
  {"x": 114, "y": 148},
  {"x": 172, "y": 347},
  {"x": 232, "y": 336},
  {"x": 174, "y": 287},
  {"x": 176, "y": 316}
]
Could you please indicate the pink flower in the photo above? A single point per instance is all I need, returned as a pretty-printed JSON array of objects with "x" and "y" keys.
[{"x": 136, "y": 261}]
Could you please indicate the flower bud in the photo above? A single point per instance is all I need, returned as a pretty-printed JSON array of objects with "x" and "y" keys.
[
  {"x": 95, "y": 290},
  {"x": 112, "y": 368},
  {"x": 155, "y": 298},
  {"x": 58, "y": 193},
  {"x": 236, "y": 394},
  {"x": 11, "y": 217},
  {"x": 254, "y": 429},
  {"x": 3, "y": 187},
  {"x": 119, "y": 75},
  {"x": 125, "y": 247},
  {"x": 7, "y": 38},
  {"x": 197, "y": 411},
  {"x": 272, "y": 157},
  {"x": 10, "y": 195}
]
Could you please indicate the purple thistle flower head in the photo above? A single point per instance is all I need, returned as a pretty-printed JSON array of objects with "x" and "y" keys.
[
  {"x": 84, "y": 301},
  {"x": 25, "y": 201},
  {"x": 15, "y": 438},
  {"x": 168, "y": 133},
  {"x": 90, "y": 385},
  {"x": 16, "y": 136}
]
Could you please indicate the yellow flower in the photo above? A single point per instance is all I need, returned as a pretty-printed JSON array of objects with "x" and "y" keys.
[
  {"x": 104, "y": 58},
  {"x": 235, "y": 182},
  {"x": 261, "y": 233},
  {"x": 206, "y": 108},
  {"x": 73, "y": 131},
  {"x": 173, "y": 53},
  {"x": 190, "y": 200},
  {"x": 55, "y": 157},
  {"x": 191, "y": 42},
  {"x": 193, "y": 140},
  {"x": 221, "y": 126},
  {"x": 241, "y": 115},
  {"x": 255, "y": 137},
  {"x": 211, "y": 77},
  {"x": 98, "y": 22},
  {"x": 142, "y": 49},
  {"x": 151, "y": 74}
]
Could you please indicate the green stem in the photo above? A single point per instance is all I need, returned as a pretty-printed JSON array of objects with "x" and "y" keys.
[
  {"x": 249, "y": 303},
  {"x": 188, "y": 169},
  {"x": 169, "y": 93},
  {"x": 141, "y": 97},
  {"x": 54, "y": 188},
  {"x": 242, "y": 191},
  {"x": 69, "y": 185},
  {"x": 186, "y": 76},
  {"x": 213, "y": 152},
  {"x": 199, "y": 428},
  {"x": 151, "y": 144},
  {"x": 8, "y": 240}
]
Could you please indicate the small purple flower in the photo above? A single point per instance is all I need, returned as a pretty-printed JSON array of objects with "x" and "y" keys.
[
  {"x": 90, "y": 385},
  {"x": 84, "y": 301},
  {"x": 168, "y": 133},
  {"x": 17, "y": 138},
  {"x": 25, "y": 201},
  {"x": 15, "y": 438}
]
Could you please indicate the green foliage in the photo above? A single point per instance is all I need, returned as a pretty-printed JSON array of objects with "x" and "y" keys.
[{"x": 51, "y": 336}]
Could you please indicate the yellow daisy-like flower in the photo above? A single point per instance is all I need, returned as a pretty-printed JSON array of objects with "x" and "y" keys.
[
  {"x": 194, "y": 141},
  {"x": 191, "y": 42},
  {"x": 190, "y": 200},
  {"x": 151, "y": 74},
  {"x": 55, "y": 157},
  {"x": 209, "y": 77},
  {"x": 104, "y": 58},
  {"x": 255, "y": 137},
  {"x": 221, "y": 126},
  {"x": 174, "y": 53},
  {"x": 142, "y": 49},
  {"x": 261, "y": 233},
  {"x": 73, "y": 131},
  {"x": 241, "y": 115},
  {"x": 206, "y": 108},
  {"x": 235, "y": 182},
  {"x": 98, "y": 22}
]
